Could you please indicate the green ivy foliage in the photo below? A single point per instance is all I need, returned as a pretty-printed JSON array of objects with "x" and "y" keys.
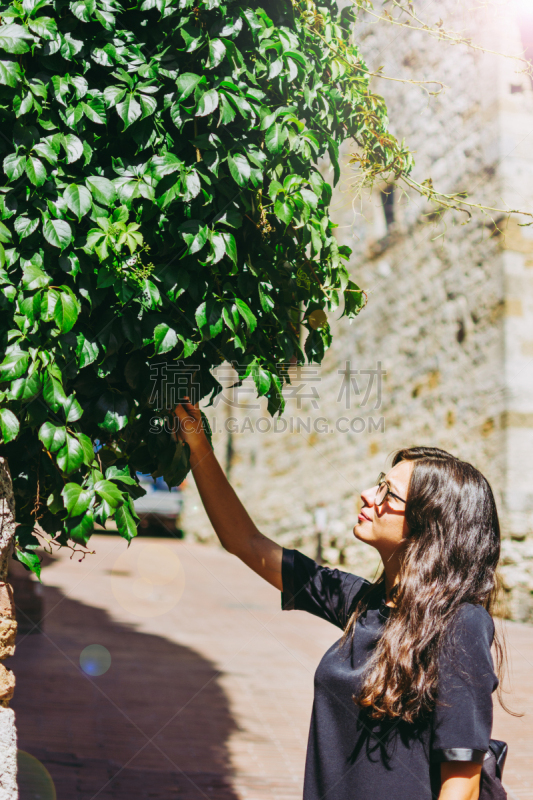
[{"x": 162, "y": 204}]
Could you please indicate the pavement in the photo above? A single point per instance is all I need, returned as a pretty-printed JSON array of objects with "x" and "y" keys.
[{"x": 205, "y": 688}]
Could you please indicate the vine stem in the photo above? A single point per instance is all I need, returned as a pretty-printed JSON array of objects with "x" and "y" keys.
[
  {"x": 455, "y": 202},
  {"x": 436, "y": 32},
  {"x": 378, "y": 74}
]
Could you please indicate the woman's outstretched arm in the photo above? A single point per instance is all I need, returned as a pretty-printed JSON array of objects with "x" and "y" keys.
[{"x": 233, "y": 526}]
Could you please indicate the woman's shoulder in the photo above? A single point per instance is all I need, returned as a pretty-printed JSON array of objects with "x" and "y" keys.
[
  {"x": 466, "y": 655},
  {"x": 472, "y": 622},
  {"x": 325, "y": 591}
]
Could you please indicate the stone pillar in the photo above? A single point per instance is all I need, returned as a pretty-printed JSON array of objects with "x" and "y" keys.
[
  {"x": 516, "y": 169},
  {"x": 8, "y": 629}
]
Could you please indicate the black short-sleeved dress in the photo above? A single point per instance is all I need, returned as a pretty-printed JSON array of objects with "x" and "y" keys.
[{"x": 350, "y": 756}]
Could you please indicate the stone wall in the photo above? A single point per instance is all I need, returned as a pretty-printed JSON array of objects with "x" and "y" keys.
[{"x": 449, "y": 319}]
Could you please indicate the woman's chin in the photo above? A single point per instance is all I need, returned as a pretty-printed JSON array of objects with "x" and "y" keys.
[{"x": 360, "y": 533}]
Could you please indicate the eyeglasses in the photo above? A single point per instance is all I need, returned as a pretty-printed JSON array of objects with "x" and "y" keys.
[{"x": 384, "y": 491}]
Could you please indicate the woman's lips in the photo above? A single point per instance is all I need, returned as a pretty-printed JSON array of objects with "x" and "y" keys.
[{"x": 362, "y": 515}]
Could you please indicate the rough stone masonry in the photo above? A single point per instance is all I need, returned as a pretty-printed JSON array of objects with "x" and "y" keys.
[{"x": 443, "y": 353}]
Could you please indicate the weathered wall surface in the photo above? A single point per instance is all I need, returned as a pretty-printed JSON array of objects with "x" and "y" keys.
[{"x": 448, "y": 322}]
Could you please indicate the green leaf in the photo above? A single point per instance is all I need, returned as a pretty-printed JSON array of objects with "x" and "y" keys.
[
  {"x": 227, "y": 112},
  {"x": 83, "y": 9},
  {"x": 261, "y": 378},
  {"x": 123, "y": 474},
  {"x": 186, "y": 84},
  {"x": 87, "y": 447},
  {"x": 53, "y": 392},
  {"x": 25, "y": 226},
  {"x": 208, "y": 103},
  {"x": 218, "y": 244},
  {"x": 247, "y": 315},
  {"x": 150, "y": 294},
  {"x": 35, "y": 170},
  {"x": 80, "y": 84},
  {"x": 10, "y": 74},
  {"x": 14, "y": 39},
  {"x": 109, "y": 492},
  {"x": 86, "y": 351},
  {"x": 284, "y": 210},
  {"x": 5, "y": 233},
  {"x": 230, "y": 247},
  {"x": 113, "y": 407},
  {"x": 14, "y": 166},
  {"x": 125, "y": 523},
  {"x": 72, "y": 409},
  {"x": 209, "y": 318},
  {"x": 240, "y": 169},
  {"x": 194, "y": 235},
  {"x": 102, "y": 189},
  {"x": 192, "y": 186},
  {"x": 275, "y": 138},
  {"x": 9, "y": 425},
  {"x": 30, "y": 560},
  {"x": 165, "y": 338},
  {"x": 71, "y": 116},
  {"x": 165, "y": 165},
  {"x": 78, "y": 199},
  {"x": 107, "y": 19},
  {"x": 65, "y": 312},
  {"x": 80, "y": 529},
  {"x": 70, "y": 457},
  {"x": 73, "y": 147},
  {"x": 113, "y": 95},
  {"x": 46, "y": 27},
  {"x": 26, "y": 387},
  {"x": 57, "y": 232},
  {"x": 22, "y": 105},
  {"x": 14, "y": 365},
  {"x": 34, "y": 278},
  {"x": 129, "y": 110},
  {"x": 76, "y": 499},
  {"x": 94, "y": 109},
  {"x": 217, "y": 51},
  {"x": 52, "y": 436}
]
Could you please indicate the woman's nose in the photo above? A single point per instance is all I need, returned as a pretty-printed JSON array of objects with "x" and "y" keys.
[{"x": 369, "y": 495}]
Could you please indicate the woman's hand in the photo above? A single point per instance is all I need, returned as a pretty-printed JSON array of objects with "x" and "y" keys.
[{"x": 190, "y": 429}]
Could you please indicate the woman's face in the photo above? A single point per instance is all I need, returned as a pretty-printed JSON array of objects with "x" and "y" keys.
[{"x": 384, "y": 526}]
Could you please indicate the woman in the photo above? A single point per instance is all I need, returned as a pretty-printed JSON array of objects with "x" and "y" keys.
[{"x": 403, "y": 706}]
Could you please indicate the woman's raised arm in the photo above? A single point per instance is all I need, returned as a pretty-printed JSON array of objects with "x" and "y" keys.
[{"x": 232, "y": 523}]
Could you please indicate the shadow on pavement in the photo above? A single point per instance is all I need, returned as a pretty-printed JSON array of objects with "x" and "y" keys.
[{"x": 155, "y": 725}]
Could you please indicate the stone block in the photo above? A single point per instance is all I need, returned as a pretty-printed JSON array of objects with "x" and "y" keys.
[
  {"x": 7, "y": 684},
  {"x": 7, "y": 603},
  {"x": 8, "y": 633}
]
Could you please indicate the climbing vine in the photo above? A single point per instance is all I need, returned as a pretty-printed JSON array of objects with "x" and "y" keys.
[{"x": 162, "y": 210}]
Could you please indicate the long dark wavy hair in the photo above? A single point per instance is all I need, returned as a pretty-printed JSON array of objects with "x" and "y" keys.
[{"x": 451, "y": 555}]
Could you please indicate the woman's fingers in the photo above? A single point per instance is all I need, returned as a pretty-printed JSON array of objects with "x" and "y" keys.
[{"x": 190, "y": 426}]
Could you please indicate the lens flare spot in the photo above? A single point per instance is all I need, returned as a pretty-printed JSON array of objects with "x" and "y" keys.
[
  {"x": 158, "y": 565},
  {"x": 318, "y": 319},
  {"x": 95, "y": 660},
  {"x": 34, "y": 780},
  {"x": 147, "y": 579}
]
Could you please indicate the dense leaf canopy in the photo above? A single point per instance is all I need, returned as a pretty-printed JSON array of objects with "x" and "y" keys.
[{"x": 162, "y": 206}]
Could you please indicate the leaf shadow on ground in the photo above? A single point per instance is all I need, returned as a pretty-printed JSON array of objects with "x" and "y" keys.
[{"x": 93, "y": 733}]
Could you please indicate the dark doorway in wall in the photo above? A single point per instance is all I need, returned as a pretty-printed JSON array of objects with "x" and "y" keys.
[{"x": 387, "y": 199}]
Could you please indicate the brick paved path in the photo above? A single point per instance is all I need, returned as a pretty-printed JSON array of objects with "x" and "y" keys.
[{"x": 209, "y": 699}]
